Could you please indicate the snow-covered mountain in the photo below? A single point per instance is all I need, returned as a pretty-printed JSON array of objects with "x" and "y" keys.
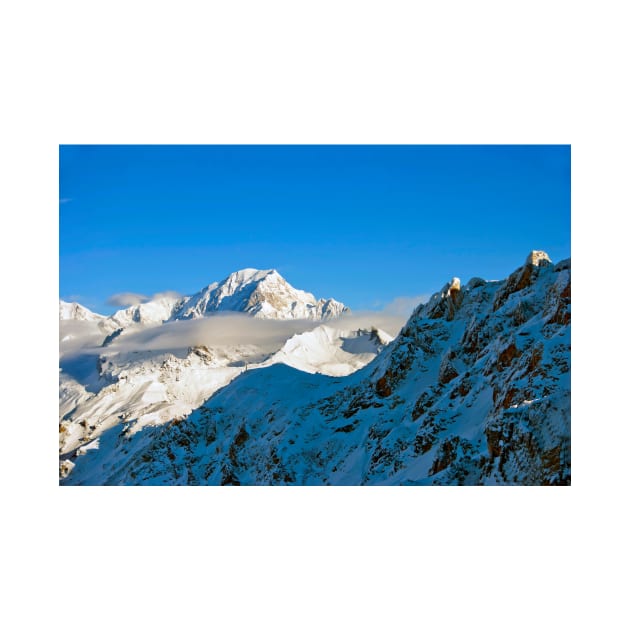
[
  {"x": 74, "y": 311},
  {"x": 474, "y": 390},
  {"x": 263, "y": 294},
  {"x": 155, "y": 311}
]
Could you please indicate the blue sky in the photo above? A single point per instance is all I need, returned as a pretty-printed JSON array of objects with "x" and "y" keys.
[{"x": 363, "y": 224}]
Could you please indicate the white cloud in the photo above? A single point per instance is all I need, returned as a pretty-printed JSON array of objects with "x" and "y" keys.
[
  {"x": 166, "y": 294},
  {"x": 126, "y": 299},
  {"x": 234, "y": 329},
  {"x": 215, "y": 331}
]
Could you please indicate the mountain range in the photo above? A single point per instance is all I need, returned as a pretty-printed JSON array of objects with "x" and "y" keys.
[
  {"x": 474, "y": 390},
  {"x": 264, "y": 294}
]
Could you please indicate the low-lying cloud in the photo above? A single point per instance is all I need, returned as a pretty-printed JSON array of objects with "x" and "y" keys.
[
  {"x": 239, "y": 329},
  {"x": 221, "y": 330},
  {"x": 236, "y": 329}
]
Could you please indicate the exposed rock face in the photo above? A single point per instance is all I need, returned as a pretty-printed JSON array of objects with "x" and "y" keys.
[
  {"x": 523, "y": 277},
  {"x": 449, "y": 301},
  {"x": 454, "y": 285},
  {"x": 474, "y": 390},
  {"x": 538, "y": 258}
]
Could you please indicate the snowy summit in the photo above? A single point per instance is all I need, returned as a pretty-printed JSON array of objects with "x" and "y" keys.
[{"x": 265, "y": 294}]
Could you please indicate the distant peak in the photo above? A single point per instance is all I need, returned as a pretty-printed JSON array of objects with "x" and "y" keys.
[
  {"x": 538, "y": 258},
  {"x": 263, "y": 293}
]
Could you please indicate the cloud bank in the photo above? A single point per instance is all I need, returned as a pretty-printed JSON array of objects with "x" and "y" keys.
[
  {"x": 221, "y": 330},
  {"x": 235, "y": 329},
  {"x": 232, "y": 329}
]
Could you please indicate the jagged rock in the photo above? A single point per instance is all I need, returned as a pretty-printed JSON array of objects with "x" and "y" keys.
[
  {"x": 447, "y": 370},
  {"x": 383, "y": 388},
  {"x": 445, "y": 457},
  {"x": 455, "y": 285},
  {"x": 538, "y": 258},
  {"x": 523, "y": 277},
  {"x": 507, "y": 355},
  {"x": 108, "y": 340},
  {"x": 450, "y": 298}
]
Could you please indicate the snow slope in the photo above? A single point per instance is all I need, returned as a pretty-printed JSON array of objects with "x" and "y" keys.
[
  {"x": 330, "y": 350},
  {"x": 474, "y": 390},
  {"x": 99, "y": 390}
]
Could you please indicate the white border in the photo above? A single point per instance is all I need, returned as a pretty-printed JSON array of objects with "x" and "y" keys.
[{"x": 326, "y": 72}]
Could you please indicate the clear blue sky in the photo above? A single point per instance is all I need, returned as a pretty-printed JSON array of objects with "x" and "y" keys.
[{"x": 362, "y": 224}]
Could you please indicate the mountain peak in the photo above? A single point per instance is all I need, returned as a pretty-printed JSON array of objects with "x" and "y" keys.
[
  {"x": 538, "y": 258},
  {"x": 261, "y": 293},
  {"x": 74, "y": 310}
]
